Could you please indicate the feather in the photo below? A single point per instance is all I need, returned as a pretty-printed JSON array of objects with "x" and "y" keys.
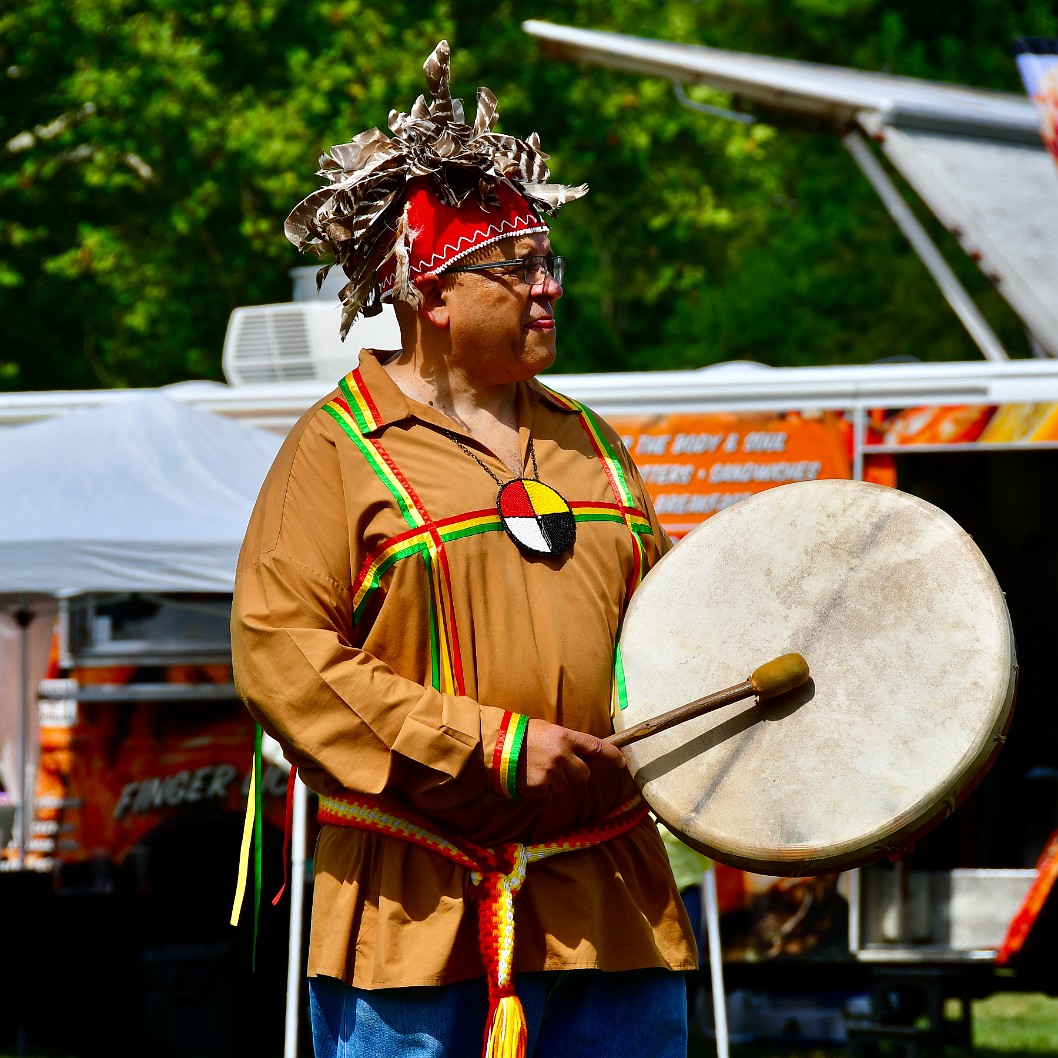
[
  {"x": 488, "y": 111},
  {"x": 554, "y": 195},
  {"x": 437, "y": 69},
  {"x": 300, "y": 226},
  {"x": 403, "y": 287}
]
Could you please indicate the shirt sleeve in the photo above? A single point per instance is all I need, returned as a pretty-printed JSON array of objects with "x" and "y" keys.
[{"x": 345, "y": 718}]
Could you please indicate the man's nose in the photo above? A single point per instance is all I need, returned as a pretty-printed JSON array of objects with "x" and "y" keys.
[{"x": 548, "y": 287}]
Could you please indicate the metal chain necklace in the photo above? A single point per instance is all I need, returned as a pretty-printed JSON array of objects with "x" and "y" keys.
[{"x": 535, "y": 516}]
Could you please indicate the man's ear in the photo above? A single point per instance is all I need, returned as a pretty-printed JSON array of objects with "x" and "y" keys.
[{"x": 433, "y": 306}]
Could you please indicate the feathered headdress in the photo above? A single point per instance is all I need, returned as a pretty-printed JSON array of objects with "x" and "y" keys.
[{"x": 362, "y": 217}]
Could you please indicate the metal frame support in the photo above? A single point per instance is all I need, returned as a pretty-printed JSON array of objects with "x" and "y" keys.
[
  {"x": 705, "y": 108},
  {"x": 859, "y": 439},
  {"x": 716, "y": 971},
  {"x": 24, "y": 618},
  {"x": 954, "y": 292},
  {"x": 295, "y": 963}
]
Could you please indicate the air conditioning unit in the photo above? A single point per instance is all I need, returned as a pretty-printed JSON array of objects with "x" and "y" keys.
[{"x": 299, "y": 342}]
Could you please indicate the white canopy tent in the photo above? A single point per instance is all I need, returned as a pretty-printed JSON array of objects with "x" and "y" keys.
[{"x": 147, "y": 494}]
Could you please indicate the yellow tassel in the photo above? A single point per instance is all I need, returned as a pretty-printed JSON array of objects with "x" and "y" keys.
[
  {"x": 244, "y": 852},
  {"x": 507, "y": 1035}
]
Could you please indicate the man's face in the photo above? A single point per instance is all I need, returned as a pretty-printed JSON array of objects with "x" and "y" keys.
[{"x": 502, "y": 330}]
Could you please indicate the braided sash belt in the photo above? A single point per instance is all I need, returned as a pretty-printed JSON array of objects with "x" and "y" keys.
[{"x": 496, "y": 876}]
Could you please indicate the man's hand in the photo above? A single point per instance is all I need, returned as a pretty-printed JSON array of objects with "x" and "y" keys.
[{"x": 556, "y": 758}]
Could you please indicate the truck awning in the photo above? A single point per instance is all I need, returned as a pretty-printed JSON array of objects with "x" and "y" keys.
[{"x": 975, "y": 157}]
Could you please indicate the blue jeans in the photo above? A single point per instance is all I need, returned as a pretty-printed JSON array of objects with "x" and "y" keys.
[
  {"x": 572, "y": 1014},
  {"x": 692, "y": 901}
]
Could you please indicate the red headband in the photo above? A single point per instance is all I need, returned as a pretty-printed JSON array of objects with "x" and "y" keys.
[{"x": 440, "y": 235}]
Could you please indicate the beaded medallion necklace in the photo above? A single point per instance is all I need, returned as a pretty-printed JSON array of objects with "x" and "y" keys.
[{"x": 535, "y": 516}]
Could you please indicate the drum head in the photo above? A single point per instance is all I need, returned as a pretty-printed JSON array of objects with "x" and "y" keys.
[{"x": 911, "y": 654}]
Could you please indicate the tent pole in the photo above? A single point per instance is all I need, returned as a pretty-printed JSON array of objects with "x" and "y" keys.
[
  {"x": 716, "y": 966},
  {"x": 24, "y": 618},
  {"x": 295, "y": 972}
]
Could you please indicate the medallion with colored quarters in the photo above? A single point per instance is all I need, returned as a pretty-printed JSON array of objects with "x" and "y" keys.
[{"x": 536, "y": 517}]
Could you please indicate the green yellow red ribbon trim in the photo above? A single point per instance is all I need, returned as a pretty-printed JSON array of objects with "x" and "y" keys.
[
  {"x": 620, "y": 690},
  {"x": 415, "y": 541},
  {"x": 508, "y": 752},
  {"x": 355, "y": 412}
]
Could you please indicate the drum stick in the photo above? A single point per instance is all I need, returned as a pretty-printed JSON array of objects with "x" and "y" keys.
[{"x": 773, "y": 678}]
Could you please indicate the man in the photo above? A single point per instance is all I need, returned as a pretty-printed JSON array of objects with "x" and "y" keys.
[{"x": 425, "y": 616}]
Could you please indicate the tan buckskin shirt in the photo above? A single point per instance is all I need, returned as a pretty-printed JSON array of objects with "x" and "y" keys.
[{"x": 383, "y": 623}]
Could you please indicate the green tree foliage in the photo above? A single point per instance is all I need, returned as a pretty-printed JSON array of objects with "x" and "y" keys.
[
  {"x": 828, "y": 278},
  {"x": 153, "y": 150}
]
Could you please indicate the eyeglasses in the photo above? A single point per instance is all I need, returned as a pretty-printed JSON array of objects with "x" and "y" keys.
[{"x": 535, "y": 268}]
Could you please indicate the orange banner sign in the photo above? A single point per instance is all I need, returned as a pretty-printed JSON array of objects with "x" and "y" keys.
[{"x": 694, "y": 465}]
